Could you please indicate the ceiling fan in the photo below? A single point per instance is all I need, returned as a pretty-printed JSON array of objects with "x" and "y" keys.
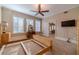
[{"x": 40, "y": 11}]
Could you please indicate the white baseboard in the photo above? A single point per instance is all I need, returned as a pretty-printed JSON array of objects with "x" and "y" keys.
[
  {"x": 45, "y": 34},
  {"x": 61, "y": 38},
  {"x": 65, "y": 39},
  {"x": 74, "y": 41}
]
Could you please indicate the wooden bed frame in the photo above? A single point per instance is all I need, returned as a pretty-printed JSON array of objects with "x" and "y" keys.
[{"x": 44, "y": 42}]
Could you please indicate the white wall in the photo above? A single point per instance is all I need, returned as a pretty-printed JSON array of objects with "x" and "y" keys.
[
  {"x": 63, "y": 33},
  {"x": 45, "y": 27},
  {"x": 7, "y": 15}
]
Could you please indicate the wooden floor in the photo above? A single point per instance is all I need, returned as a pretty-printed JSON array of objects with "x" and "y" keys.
[
  {"x": 61, "y": 48},
  {"x": 16, "y": 48}
]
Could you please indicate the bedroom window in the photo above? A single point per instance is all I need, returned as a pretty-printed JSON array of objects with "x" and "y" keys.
[
  {"x": 37, "y": 25},
  {"x": 18, "y": 25},
  {"x": 29, "y": 22}
]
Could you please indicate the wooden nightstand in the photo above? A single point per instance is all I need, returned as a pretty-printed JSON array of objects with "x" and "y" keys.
[{"x": 5, "y": 37}]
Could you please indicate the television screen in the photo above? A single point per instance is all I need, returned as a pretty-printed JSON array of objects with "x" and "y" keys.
[{"x": 69, "y": 23}]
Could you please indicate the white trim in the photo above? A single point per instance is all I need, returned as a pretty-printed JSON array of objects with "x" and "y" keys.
[
  {"x": 65, "y": 39},
  {"x": 61, "y": 38},
  {"x": 74, "y": 41}
]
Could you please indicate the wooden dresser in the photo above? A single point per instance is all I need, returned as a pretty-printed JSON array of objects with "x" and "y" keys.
[{"x": 5, "y": 37}]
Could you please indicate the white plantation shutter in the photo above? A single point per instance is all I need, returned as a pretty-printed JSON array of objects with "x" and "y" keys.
[
  {"x": 37, "y": 25},
  {"x": 29, "y": 22},
  {"x": 18, "y": 25}
]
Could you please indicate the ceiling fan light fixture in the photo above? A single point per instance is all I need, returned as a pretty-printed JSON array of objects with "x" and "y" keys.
[{"x": 40, "y": 11}]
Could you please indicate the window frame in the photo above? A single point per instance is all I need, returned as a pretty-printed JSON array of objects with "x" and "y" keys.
[
  {"x": 40, "y": 25},
  {"x": 18, "y": 17}
]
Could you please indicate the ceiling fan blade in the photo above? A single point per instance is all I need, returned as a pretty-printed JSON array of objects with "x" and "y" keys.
[
  {"x": 42, "y": 14},
  {"x": 36, "y": 13},
  {"x": 45, "y": 11}
]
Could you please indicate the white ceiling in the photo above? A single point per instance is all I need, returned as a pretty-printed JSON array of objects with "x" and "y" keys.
[{"x": 53, "y": 8}]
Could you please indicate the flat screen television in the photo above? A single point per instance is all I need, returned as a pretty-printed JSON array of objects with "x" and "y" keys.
[{"x": 69, "y": 23}]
